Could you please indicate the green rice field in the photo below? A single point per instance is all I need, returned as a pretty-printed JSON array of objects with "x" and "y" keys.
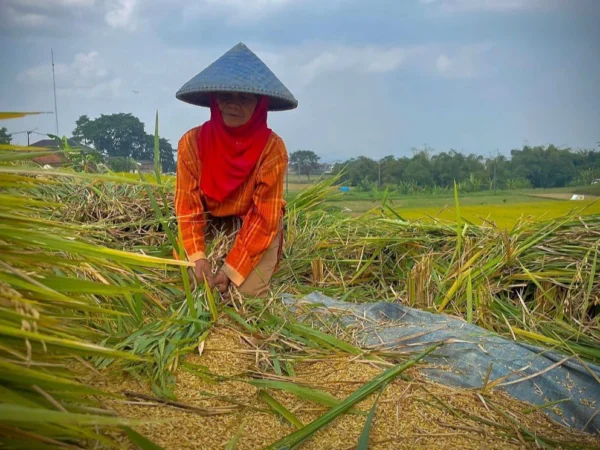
[
  {"x": 505, "y": 215},
  {"x": 502, "y": 209}
]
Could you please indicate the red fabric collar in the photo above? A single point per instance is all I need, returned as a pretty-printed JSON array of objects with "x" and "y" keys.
[{"x": 228, "y": 155}]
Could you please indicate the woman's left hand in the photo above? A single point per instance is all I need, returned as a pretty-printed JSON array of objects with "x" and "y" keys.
[{"x": 221, "y": 281}]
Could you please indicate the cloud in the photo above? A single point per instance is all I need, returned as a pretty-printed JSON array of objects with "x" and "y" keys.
[
  {"x": 54, "y": 14},
  {"x": 51, "y": 4},
  {"x": 249, "y": 6},
  {"x": 86, "y": 76},
  {"x": 362, "y": 59},
  {"x": 482, "y": 5},
  {"x": 443, "y": 63},
  {"x": 35, "y": 13},
  {"x": 133, "y": 15},
  {"x": 239, "y": 12},
  {"x": 34, "y": 18},
  {"x": 120, "y": 14},
  {"x": 303, "y": 64},
  {"x": 25, "y": 19},
  {"x": 464, "y": 62}
]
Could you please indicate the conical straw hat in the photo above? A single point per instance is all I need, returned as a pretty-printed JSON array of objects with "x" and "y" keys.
[{"x": 238, "y": 70}]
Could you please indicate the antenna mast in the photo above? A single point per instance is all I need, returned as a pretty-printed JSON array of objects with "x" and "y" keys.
[{"x": 54, "y": 85}]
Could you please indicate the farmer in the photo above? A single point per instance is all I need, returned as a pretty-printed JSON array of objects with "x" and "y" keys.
[{"x": 230, "y": 172}]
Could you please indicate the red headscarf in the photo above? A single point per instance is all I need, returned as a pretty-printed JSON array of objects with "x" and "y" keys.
[{"x": 229, "y": 154}]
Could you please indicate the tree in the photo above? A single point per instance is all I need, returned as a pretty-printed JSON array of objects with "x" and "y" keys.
[
  {"x": 363, "y": 171},
  {"x": 392, "y": 169},
  {"x": 122, "y": 135},
  {"x": 167, "y": 156},
  {"x": 545, "y": 166},
  {"x": 418, "y": 172},
  {"x": 167, "y": 153},
  {"x": 5, "y": 138},
  {"x": 83, "y": 131},
  {"x": 304, "y": 162},
  {"x": 419, "y": 168},
  {"x": 539, "y": 167}
]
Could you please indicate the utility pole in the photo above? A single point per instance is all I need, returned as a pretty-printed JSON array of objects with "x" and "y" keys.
[
  {"x": 29, "y": 133},
  {"x": 54, "y": 85},
  {"x": 495, "y": 165},
  {"x": 379, "y": 178}
]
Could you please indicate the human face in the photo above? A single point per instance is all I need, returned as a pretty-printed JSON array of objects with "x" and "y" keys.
[{"x": 236, "y": 107}]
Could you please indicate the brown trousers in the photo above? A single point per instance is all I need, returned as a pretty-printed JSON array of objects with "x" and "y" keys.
[{"x": 258, "y": 282}]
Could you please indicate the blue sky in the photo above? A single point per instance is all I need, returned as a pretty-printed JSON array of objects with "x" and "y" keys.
[{"x": 372, "y": 78}]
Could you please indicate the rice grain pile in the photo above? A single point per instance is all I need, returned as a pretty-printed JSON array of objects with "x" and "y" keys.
[{"x": 410, "y": 414}]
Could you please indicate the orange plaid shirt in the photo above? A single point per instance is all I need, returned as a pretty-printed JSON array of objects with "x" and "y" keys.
[{"x": 258, "y": 202}]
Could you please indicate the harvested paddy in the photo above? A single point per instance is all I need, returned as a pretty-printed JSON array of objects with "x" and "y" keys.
[
  {"x": 410, "y": 413},
  {"x": 87, "y": 277}
]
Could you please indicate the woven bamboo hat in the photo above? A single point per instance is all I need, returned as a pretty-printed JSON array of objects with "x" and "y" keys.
[{"x": 238, "y": 70}]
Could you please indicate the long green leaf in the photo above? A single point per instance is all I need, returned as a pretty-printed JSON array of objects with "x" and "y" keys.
[
  {"x": 69, "y": 174},
  {"x": 232, "y": 444},
  {"x": 590, "y": 286},
  {"x": 363, "y": 440},
  {"x": 311, "y": 333},
  {"x": 280, "y": 409},
  {"x": 313, "y": 395},
  {"x": 141, "y": 442},
  {"x": 157, "y": 165},
  {"x": 61, "y": 244},
  {"x": 75, "y": 285},
  {"x": 364, "y": 391},
  {"x": 68, "y": 344},
  {"x": 210, "y": 299},
  {"x": 469, "y": 299},
  {"x": 23, "y": 414},
  {"x": 458, "y": 221}
]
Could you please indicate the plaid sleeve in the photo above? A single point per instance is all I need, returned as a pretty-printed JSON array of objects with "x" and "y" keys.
[
  {"x": 188, "y": 205},
  {"x": 261, "y": 224}
]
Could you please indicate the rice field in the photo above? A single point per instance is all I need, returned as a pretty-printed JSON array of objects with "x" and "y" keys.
[
  {"x": 504, "y": 215},
  {"x": 503, "y": 209},
  {"x": 104, "y": 333}
]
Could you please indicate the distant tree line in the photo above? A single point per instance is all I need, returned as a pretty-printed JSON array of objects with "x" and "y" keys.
[
  {"x": 537, "y": 167},
  {"x": 122, "y": 139}
]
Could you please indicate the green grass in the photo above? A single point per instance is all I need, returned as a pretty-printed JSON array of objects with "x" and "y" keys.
[
  {"x": 360, "y": 202},
  {"x": 301, "y": 179},
  {"x": 593, "y": 189}
]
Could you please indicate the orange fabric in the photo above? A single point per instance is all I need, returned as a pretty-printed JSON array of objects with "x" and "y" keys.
[{"x": 258, "y": 201}]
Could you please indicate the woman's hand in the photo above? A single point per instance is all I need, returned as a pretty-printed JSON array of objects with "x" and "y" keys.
[
  {"x": 203, "y": 269},
  {"x": 222, "y": 281}
]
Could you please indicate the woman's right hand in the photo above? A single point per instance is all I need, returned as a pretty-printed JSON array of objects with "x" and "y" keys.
[{"x": 203, "y": 269}]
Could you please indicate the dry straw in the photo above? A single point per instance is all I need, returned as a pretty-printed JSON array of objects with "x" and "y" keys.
[{"x": 89, "y": 286}]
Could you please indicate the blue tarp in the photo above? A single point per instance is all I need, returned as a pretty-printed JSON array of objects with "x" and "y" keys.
[{"x": 540, "y": 375}]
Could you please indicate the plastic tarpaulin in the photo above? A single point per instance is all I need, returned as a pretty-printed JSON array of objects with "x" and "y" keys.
[{"x": 532, "y": 374}]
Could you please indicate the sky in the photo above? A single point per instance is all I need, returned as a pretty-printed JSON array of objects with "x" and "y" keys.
[{"x": 373, "y": 78}]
